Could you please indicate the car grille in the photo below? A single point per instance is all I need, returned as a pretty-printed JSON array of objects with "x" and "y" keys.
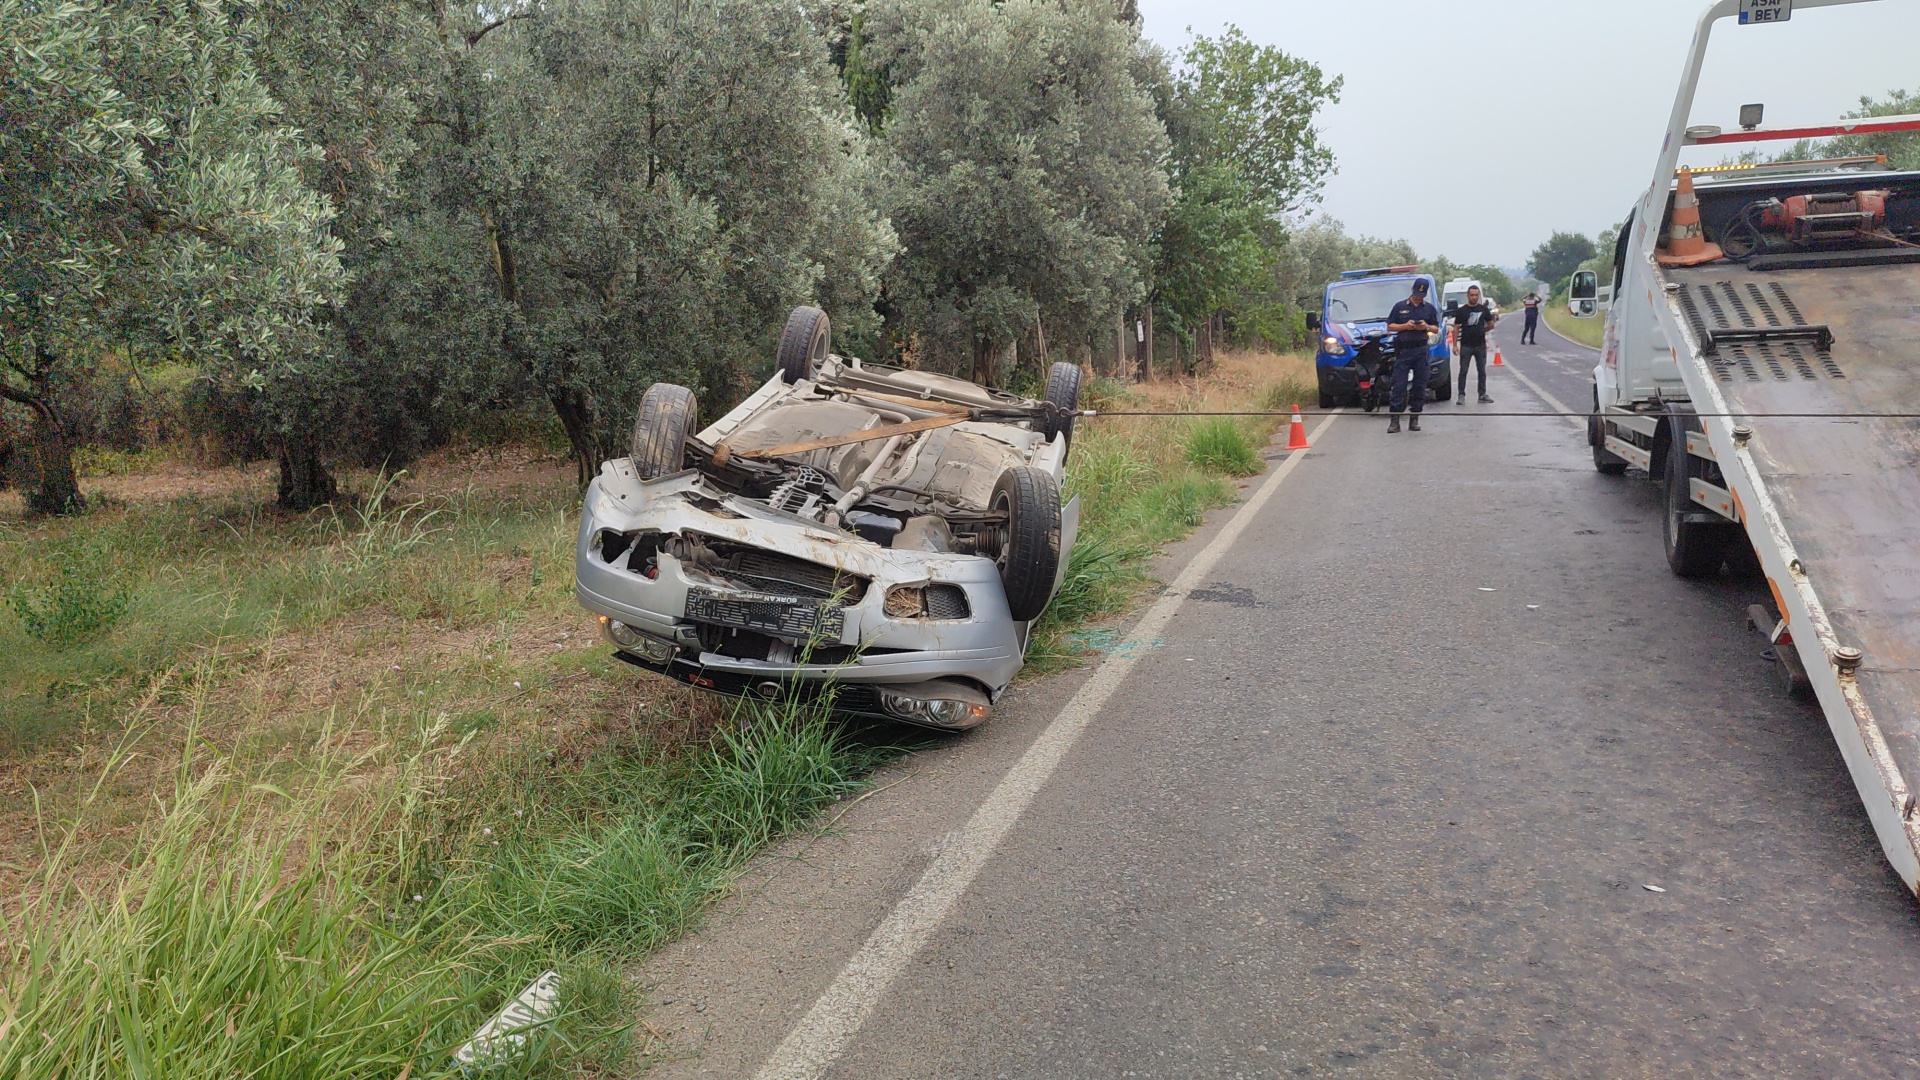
[
  {"x": 774, "y": 572},
  {"x": 947, "y": 602},
  {"x": 787, "y": 616}
]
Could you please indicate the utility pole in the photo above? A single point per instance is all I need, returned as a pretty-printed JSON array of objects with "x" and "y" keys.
[{"x": 1146, "y": 345}]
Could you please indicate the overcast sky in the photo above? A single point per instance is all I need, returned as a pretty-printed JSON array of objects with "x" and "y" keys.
[{"x": 1475, "y": 128}]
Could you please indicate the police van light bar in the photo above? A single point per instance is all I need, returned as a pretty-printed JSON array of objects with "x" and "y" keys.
[{"x": 1349, "y": 275}]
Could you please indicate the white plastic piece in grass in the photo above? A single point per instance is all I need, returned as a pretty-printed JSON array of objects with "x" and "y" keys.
[
  {"x": 1653, "y": 888},
  {"x": 506, "y": 1034}
]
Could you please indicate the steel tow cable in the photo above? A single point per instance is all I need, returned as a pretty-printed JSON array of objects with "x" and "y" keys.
[{"x": 1477, "y": 413}]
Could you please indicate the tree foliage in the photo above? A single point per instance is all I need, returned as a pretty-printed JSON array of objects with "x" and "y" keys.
[
  {"x": 613, "y": 192},
  {"x": 1027, "y": 171},
  {"x": 1245, "y": 157},
  {"x": 1902, "y": 148},
  {"x": 1559, "y": 255},
  {"x": 1252, "y": 106},
  {"x": 355, "y": 230},
  {"x": 154, "y": 206}
]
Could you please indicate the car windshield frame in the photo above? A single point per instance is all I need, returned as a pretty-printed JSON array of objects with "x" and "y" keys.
[{"x": 1374, "y": 291}]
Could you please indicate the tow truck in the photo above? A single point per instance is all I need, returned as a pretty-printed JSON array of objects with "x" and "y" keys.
[{"x": 1760, "y": 362}]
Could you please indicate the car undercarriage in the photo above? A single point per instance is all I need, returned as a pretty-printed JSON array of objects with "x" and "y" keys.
[{"x": 877, "y": 537}]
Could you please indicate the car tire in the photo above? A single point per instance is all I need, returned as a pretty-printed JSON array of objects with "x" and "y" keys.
[
  {"x": 1695, "y": 549},
  {"x": 1063, "y": 392},
  {"x": 1444, "y": 391},
  {"x": 803, "y": 344},
  {"x": 668, "y": 416},
  {"x": 1326, "y": 400},
  {"x": 1029, "y": 555}
]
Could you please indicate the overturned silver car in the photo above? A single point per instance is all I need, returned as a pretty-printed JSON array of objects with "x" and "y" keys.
[{"x": 886, "y": 533}]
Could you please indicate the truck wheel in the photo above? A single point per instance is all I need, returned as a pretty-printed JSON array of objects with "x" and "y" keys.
[
  {"x": 1029, "y": 553},
  {"x": 803, "y": 344},
  {"x": 1695, "y": 549},
  {"x": 1327, "y": 399},
  {"x": 1063, "y": 391},
  {"x": 1605, "y": 461},
  {"x": 667, "y": 417},
  {"x": 1444, "y": 376}
]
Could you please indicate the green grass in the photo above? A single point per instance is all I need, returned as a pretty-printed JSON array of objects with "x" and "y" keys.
[
  {"x": 91, "y": 461},
  {"x": 1588, "y": 332},
  {"x": 1221, "y": 445},
  {"x": 1290, "y": 391},
  {"x": 122, "y": 597},
  {"x": 323, "y": 934}
]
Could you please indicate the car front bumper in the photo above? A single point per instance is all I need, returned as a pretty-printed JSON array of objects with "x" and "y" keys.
[{"x": 865, "y": 646}]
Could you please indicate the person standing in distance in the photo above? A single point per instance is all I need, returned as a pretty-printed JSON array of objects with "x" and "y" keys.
[
  {"x": 1411, "y": 321},
  {"x": 1532, "y": 329},
  {"x": 1471, "y": 321}
]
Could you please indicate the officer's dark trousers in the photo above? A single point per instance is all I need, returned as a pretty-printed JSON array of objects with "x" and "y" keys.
[
  {"x": 1469, "y": 354},
  {"x": 1416, "y": 369},
  {"x": 1532, "y": 329}
]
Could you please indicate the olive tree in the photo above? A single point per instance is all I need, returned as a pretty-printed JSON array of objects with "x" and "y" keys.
[
  {"x": 1028, "y": 170},
  {"x": 352, "y": 75},
  {"x": 153, "y": 205},
  {"x": 645, "y": 188}
]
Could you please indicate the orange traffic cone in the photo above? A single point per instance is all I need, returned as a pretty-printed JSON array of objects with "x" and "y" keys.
[
  {"x": 1297, "y": 436},
  {"x": 1497, "y": 362},
  {"x": 1686, "y": 242}
]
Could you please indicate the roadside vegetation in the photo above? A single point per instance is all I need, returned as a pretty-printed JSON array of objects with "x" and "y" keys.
[
  {"x": 314, "y": 319},
  {"x": 390, "y": 736},
  {"x": 1588, "y": 332}
]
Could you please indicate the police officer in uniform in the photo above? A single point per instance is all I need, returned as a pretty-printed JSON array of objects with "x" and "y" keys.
[
  {"x": 1410, "y": 321},
  {"x": 1528, "y": 332}
]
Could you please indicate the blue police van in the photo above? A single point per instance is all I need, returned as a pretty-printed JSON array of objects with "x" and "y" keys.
[{"x": 1354, "y": 361}]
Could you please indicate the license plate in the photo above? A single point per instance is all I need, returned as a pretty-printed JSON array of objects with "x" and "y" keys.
[
  {"x": 768, "y": 613},
  {"x": 1765, "y": 11}
]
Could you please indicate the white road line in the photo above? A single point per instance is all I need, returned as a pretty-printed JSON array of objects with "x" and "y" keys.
[
  {"x": 1578, "y": 420},
  {"x": 837, "y": 1016},
  {"x": 1563, "y": 337}
]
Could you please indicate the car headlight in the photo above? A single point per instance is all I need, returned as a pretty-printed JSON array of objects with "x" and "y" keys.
[
  {"x": 934, "y": 711},
  {"x": 651, "y": 649},
  {"x": 1330, "y": 344},
  {"x": 1433, "y": 337}
]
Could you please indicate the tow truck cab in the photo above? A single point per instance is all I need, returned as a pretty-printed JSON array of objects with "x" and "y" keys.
[{"x": 1353, "y": 340}]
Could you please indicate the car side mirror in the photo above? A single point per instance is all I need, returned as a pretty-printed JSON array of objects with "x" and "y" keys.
[
  {"x": 1453, "y": 306},
  {"x": 1313, "y": 321}
]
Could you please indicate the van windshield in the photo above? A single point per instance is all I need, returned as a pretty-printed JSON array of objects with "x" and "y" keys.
[{"x": 1365, "y": 301}]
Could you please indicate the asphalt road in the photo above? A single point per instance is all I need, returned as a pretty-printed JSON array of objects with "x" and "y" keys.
[{"x": 1385, "y": 798}]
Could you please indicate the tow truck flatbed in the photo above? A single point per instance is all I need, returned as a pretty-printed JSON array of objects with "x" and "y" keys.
[{"x": 1778, "y": 401}]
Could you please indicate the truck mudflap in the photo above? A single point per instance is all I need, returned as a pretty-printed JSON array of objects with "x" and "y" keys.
[{"x": 1830, "y": 501}]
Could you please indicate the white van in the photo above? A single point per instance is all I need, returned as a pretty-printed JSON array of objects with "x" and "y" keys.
[{"x": 1454, "y": 292}]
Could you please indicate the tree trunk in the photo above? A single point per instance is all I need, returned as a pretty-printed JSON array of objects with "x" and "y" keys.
[
  {"x": 305, "y": 483},
  {"x": 983, "y": 356},
  {"x": 577, "y": 414},
  {"x": 49, "y": 481}
]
